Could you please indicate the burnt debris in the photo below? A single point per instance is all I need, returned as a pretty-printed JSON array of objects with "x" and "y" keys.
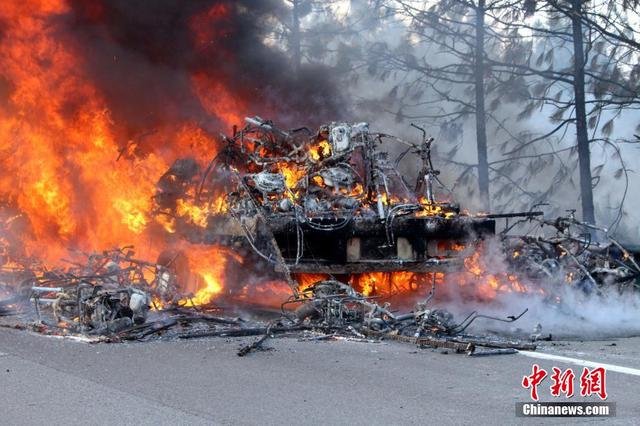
[
  {"x": 329, "y": 202},
  {"x": 110, "y": 299},
  {"x": 569, "y": 251}
]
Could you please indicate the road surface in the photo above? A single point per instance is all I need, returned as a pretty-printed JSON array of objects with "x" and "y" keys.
[{"x": 45, "y": 380}]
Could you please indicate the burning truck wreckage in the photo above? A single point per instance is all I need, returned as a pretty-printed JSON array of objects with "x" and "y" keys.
[{"x": 334, "y": 230}]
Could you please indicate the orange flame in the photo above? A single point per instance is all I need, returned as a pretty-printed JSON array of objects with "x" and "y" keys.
[
  {"x": 320, "y": 150},
  {"x": 63, "y": 165}
]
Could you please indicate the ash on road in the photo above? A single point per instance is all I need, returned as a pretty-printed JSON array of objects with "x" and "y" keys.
[{"x": 56, "y": 381}]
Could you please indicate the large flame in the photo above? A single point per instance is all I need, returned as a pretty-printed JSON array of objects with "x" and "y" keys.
[
  {"x": 208, "y": 267},
  {"x": 65, "y": 168},
  {"x": 80, "y": 180}
]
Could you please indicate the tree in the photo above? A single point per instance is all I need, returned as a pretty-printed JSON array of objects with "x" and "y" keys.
[
  {"x": 449, "y": 65},
  {"x": 599, "y": 73},
  {"x": 466, "y": 59},
  {"x": 308, "y": 29}
]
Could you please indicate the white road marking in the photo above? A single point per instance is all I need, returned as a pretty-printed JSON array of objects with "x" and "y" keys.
[{"x": 581, "y": 362}]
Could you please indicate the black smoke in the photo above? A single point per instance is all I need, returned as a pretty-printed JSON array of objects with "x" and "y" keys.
[{"x": 141, "y": 54}]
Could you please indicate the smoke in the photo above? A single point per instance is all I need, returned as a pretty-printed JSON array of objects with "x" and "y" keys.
[
  {"x": 98, "y": 98},
  {"x": 206, "y": 61},
  {"x": 572, "y": 312},
  {"x": 398, "y": 92},
  {"x": 160, "y": 64},
  {"x": 553, "y": 306}
]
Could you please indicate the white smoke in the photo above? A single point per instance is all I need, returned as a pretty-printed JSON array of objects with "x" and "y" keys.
[{"x": 554, "y": 306}]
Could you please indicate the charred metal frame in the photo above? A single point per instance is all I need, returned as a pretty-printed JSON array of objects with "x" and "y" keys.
[{"x": 347, "y": 209}]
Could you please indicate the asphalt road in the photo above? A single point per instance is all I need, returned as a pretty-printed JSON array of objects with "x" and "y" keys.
[{"x": 46, "y": 380}]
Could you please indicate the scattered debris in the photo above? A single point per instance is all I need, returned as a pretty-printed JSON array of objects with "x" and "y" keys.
[
  {"x": 257, "y": 345},
  {"x": 568, "y": 251},
  {"x": 113, "y": 302}
]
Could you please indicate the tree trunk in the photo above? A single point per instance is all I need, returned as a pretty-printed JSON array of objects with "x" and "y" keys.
[
  {"x": 294, "y": 39},
  {"x": 584, "y": 151},
  {"x": 481, "y": 126}
]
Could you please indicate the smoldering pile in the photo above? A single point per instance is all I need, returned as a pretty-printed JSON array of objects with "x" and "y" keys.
[
  {"x": 114, "y": 297},
  {"x": 583, "y": 282},
  {"x": 578, "y": 253}
]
